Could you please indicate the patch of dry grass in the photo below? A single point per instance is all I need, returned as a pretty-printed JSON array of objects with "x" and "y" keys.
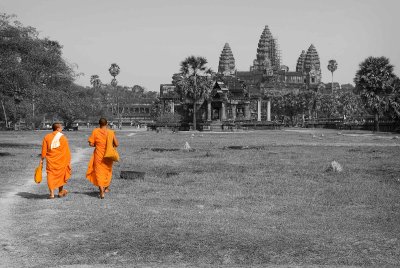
[{"x": 273, "y": 203}]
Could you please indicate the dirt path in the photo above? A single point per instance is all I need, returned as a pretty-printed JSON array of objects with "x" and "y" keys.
[{"x": 10, "y": 253}]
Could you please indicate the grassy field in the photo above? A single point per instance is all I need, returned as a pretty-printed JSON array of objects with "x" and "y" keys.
[{"x": 239, "y": 199}]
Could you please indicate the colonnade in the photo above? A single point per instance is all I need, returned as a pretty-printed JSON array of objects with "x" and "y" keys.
[{"x": 223, "y": 112}]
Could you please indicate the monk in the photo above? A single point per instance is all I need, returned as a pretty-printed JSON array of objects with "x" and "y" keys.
[
  {"x": 55, "y": 150},
  {"x": 99, "y": 171}
]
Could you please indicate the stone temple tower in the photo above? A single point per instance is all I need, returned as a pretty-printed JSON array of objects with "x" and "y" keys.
[
  {"x": 226, "y": 64},
  {"x": 268, "y": 57},
  {"x": 300, "y": 62},
  {"x": 312, "y": 66},
  {"x": 309, "y": 65}
]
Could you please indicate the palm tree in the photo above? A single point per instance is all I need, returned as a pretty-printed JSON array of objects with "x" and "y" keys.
[
  {"x": 375, "y": 83},
  {"x": 114, "y": 71},
  {"x": 95, "y": 81},
  {"x": 193, "y": 82},
  {"x": 332, "y": 66}
]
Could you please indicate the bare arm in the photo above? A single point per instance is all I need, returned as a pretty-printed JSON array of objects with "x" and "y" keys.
[
  {"x": 115, "y": 141},
  {"x": 91, "y": 139},
  {"x": 44, "y": 150}
]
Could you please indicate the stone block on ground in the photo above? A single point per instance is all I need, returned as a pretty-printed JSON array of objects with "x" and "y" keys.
[
  {"x": 172, "y": 173},
  {"x": 132, "y": 175}
]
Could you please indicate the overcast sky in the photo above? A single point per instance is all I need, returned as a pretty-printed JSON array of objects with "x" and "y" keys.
[{"x": 148, "y": 39}]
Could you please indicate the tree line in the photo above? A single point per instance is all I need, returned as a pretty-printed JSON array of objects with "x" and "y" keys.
[{"x": 37, "y": 83}]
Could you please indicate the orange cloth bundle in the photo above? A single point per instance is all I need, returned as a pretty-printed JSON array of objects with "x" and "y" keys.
[
  {"x": 38, "y": 173},
  {"x": 111, "y": 152}
]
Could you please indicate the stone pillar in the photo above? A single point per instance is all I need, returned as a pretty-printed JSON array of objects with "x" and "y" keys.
[
  {"x": 233, "y": 107},
  {"x": 208, "y": 111},
  {"x": 247, "y": 114},
  {"x": 269, "y": 110},
  {"x": 172, "y": 107},
  {"x": 223, "y": 111},
  {"x": 259, "y": 110},
  {"x": 162, "y": 107}
]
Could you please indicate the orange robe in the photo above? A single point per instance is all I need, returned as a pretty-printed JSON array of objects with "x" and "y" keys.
[
  {"x": 99, "y": 171},
  {"x": 58, "y": 161}
]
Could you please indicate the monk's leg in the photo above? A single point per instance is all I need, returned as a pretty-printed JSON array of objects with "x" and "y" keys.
[
  {"x": 101, "y": 189},
  {"x": 51, "y": 196},
  {"x": 62, "y": 192}
]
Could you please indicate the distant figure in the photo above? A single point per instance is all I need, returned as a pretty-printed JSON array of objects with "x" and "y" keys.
[
  {"x": 99, "y": 171},
  {"x": 88, "y": 124},
  {"x": 55, "y": 150}
]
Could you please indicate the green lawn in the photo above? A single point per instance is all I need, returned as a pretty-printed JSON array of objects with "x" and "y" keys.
[{"x": 272, "y": 202}]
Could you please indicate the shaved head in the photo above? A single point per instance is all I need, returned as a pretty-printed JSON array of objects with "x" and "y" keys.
[
  {"x": 103, "y": 122},
  {"x": 56, "y": 126}
]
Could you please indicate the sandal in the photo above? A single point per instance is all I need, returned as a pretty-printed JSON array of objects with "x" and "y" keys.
[{"x": 62, "y": 193}]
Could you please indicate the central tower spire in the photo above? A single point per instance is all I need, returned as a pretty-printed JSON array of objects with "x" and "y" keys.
[{"x": 267, "y": 58}]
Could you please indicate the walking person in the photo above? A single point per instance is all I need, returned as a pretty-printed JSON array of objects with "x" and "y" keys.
[
  {"x": 99, "y": 171},
  {"x": 55, "y": 150}
]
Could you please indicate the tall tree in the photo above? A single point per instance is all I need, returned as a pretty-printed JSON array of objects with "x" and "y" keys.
[
  {"x": 194, "y": 81},
  {"x": 95, "y": 81},
  {"x": 332, "y": 67},
  {"x": 138, "y": 90},
  {"x": 69, "y": 103},
  {"x": 29, "y": 64},
  {"x": 375, "y": 83}
]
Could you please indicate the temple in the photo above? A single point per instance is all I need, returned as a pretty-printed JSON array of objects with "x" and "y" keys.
[{"x": 243, "y": 95}]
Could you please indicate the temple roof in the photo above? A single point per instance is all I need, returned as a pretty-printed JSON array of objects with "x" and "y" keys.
[{"x": 291, "y": 73}]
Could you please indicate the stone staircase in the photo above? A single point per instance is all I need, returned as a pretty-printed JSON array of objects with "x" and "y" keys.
[{"x": 216, "y": 126}]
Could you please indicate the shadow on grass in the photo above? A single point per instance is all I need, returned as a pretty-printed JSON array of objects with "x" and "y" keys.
[{"x": 32, "y": 195}]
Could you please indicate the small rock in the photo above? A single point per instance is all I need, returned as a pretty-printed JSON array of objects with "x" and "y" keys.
[
  {"x": 335, "y": 167},
  {"x": 187, "y": 147},
  {"x": 322, "y": 134}
]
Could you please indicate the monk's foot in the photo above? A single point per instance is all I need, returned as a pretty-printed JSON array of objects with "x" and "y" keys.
[
  {"x": 106, "y": 190},
  {"x": 62, "y": 193},
  {"x": 50, "y": 197},
  {"x": 101, "y": 195}
]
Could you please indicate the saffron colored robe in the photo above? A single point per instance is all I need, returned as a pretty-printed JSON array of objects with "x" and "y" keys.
[
  {"x": 99, "y": 171},
  {"x": 58, "y": 161}
]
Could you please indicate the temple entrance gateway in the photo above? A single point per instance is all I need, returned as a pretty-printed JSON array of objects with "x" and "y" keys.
[
  {"x": 216, "y": 114},
  {"x": 216, "y": 111}
]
